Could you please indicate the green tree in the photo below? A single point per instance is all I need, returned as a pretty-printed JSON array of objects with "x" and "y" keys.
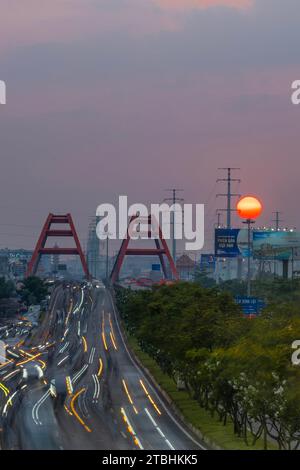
[
  {"x": 6, "y": 288},
  {"x": 33, "y": 291}
]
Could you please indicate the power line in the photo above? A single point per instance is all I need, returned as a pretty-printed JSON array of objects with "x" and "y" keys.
[
  {"x": 174, "y": 199},
  {"x": 277, "y": 219},
  {"x": 229, "y": 195}
]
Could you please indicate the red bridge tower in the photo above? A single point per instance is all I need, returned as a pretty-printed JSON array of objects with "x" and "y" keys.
[
  {"x": 40, "y": 248},
  {"x": 161, "y": 249}
]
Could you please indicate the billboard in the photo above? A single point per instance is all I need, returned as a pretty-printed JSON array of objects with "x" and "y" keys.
[
  {"x": 208, "y": 261},
  {"x": 281, "y": 245},
  {"x": 230, "y": 243},
  {"x": 155, "y": 267}
]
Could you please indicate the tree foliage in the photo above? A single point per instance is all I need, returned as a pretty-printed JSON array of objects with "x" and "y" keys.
[
  {"x": 33, "y": 291},
  {"x": 6, "y": 288},
  {"x": 238, "y": 369}
]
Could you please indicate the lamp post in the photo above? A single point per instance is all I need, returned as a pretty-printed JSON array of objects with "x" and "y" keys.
[
  {"x": 249, "y": 222},
  {"x": 249, "y": 208},
  {"x": 106, "y": 260}
]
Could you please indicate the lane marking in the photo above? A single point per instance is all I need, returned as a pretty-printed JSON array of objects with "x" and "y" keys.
[{"x": 158, "y": 429}]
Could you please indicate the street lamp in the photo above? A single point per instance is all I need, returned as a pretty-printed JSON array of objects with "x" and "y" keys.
[{"x": 249, "y": 208}]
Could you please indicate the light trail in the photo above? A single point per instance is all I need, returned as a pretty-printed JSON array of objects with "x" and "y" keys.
[
  {"x": 36, "y": 408},
  {"x": 103, "y": 332},
  {"x": 113, "y": 341},
  {"x": 92, "y": 355},
  {"x": 68, "y": 411},
  {"x": 12, "y": 353},
  {"x": 4, "y": 389},
  {"x": 85, "y": 348},
  {"x": 63, "y": 360},
  {"x": 43, "y": 363},
  {"x": 127, "y": 392},
  {"x": 62, "y": 350},
  {"x": 6, "y": 363},
  {"x": 70, "y": 306},
  {"x": 97, "y": 388},
  {"x": 31, "y": 358},
  {"x": 111, "y": 327},
  {"x": 81, "y": 302},
  {"x": 11, "y": 374},
  {"x": 104, "y": 341},
  {"x": 150, "y": 398},
  {"x": 100, "y": 367},
  {"x": 9, "y": 402},
  {"x": 75, "y": 412},
  {"x": 79, "y": 374},
  {"x": 129, "y": 396},
  {"x": 69, "y": 385},
  {"x": 131, "y": 430}
]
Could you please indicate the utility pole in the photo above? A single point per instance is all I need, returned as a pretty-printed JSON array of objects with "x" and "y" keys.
[
  {"x": 229, "y": 195},
  {"x": 174, "y": 199},
  {"x": 219, "y": 215},
  {"x": 106, "y": 260},
  {"x": 277, "y": 219}
]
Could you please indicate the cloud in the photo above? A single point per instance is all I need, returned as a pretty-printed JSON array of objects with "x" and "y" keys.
[{"x": 188, "y": 4}]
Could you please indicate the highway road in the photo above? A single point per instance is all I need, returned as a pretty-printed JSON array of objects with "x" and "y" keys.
[{"x": 73, "y": 384}]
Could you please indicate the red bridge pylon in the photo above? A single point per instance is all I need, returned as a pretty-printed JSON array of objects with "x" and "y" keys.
[
  {"x": 40, "y": 248},
  {"x": 160, "y": 250}
]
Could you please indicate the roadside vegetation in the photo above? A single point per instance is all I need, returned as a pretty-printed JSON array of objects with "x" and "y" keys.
[
  {"x": 268, "y": 288},
  {"x": 7, "y": 288},
  {"x": 33, "y": 291},
  {"x": 238, "y": 371}
]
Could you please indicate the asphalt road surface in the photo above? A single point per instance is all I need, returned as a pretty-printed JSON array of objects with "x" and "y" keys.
[{"x": 73, "y": 384}]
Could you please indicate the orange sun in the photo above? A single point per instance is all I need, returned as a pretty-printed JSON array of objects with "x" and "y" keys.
[{"x": 249, "y": 207}]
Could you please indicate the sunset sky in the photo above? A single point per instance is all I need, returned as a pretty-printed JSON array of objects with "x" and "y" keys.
[{"x": 109, "y": 97}]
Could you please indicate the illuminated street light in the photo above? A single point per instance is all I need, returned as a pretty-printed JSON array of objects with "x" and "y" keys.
[{"x": 249, "y": 208}]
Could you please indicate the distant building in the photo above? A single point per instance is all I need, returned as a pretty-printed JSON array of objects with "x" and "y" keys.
[
  {"x": 14, "y": 262},
  {"x": 4, "y": 265},
  {"x": 93, "y": 249},
  {"x": 186, "y": 268},
  {"x": 55, "y": 261},
  {"x": 18, "y": 268}
]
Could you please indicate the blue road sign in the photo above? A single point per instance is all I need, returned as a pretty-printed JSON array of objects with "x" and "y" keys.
[{"x": 250, "y": 305}]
